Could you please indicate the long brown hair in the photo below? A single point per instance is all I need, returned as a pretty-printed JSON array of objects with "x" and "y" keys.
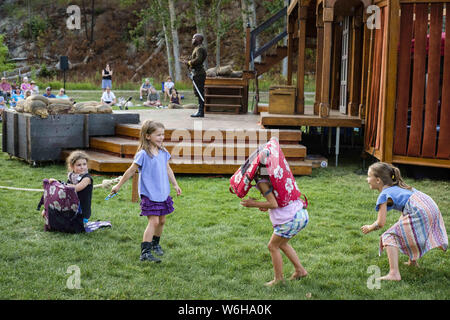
[
  {"x": 389, "y": 174},
  {"x": 74, "y": 157},
  {"x": 148, "y": 127}
]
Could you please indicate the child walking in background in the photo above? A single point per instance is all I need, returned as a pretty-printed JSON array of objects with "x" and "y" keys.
[
  {"x": 287, "y": 211},
  {"x": 152, "y": 161},
  {"x": 420, "y": 227}
]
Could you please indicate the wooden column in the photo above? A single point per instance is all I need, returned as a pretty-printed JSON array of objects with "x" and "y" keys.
[
  {"x": 324, "y": 106},
  {"x": 319, "y": 64},
  {"x": 355, "y": 68},
  {"x": 302, "y": 15},
  {"x": 364, "y": 68},
  {"x": 391, "y": 79},
  {"x": 247, "y": 47},
  {"x": 336, "y": 61},
  {"x": 290, "y": 44}
]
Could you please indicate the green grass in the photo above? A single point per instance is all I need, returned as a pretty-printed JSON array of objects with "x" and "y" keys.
[{"x": 215, "y": 248}]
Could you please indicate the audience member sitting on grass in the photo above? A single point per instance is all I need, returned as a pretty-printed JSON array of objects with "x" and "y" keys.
[
  {"x": 62, "y": 94},
  {"x": 34, "y": 88},
  {"x": 16, "y": 96},
  {"x": 25, "y": 85},
  {"x": 153, "y": 99},
  {"x": 27, "y": 93},
  {"x": 108, "y": 97},
  {"x": 48, "y": 93},
  {"x": 168, "y": 85},
  {"x": 5, "y": 89},
  {"x": 144, "y": 91},
  {"x": 175, "y": 99}
]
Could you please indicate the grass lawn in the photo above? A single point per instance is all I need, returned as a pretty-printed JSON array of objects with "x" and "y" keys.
[{"x": 215, "y": 248}]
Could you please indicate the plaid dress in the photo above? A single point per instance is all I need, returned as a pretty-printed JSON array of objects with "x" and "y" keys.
[{"x": 420, "y": 228}]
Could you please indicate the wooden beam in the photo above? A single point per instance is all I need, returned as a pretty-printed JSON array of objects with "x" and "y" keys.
[
  {"x": 355, "y": 67},
  {"x": 324, "y": 107},
  {"x": 442, "y": 163},
  {"x": 393, "y": 34},
  {"x": 319, "y": 65},
  {"x": 300, "y": 105}
]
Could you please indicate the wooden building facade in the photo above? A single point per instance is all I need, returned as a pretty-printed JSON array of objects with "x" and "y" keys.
[{"x": 385, "y": 61}]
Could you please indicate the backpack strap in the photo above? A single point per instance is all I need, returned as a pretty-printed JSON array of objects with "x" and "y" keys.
[{"x": 305, "y": 202}]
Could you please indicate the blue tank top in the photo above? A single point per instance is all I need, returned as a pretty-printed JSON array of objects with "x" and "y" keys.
[{"x": 398, "y": 195}]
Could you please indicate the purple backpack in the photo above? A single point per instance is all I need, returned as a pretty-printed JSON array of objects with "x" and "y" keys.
[{"x": 61, "y": 208}]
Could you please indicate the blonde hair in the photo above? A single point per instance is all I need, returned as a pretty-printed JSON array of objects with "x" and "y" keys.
[
  {"x": 148, "y": 127},
  {"x": 74, "y": 157},
  {"x": 389, "y": 175}
]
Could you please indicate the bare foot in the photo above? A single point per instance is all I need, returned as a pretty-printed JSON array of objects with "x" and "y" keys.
[
  {"x": 412, "y": 263},
  {"x": 297, "y": 275},
  {"x": 391, "y": 277},
  {"x": 273, "y": 283}
]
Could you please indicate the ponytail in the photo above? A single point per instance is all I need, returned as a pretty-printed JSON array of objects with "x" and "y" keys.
[{"x": 398, "y": 180}]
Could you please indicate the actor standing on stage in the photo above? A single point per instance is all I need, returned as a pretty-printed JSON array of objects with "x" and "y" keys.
[{"x": 195, "y": 65}]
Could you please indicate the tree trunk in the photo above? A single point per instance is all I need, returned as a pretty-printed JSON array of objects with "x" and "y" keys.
[
  {"x": 176, "y": 46},
  {"x": 200, "y": 26},
  {"x": 92, "y": 20},
  {"x": 162, "y": 15},
  {"x": 218, "y": 32}
]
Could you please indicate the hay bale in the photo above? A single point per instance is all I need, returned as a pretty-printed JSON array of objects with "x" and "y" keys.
[
  {"x": 225, "y": 71},
  {"x": 59, "y": 108},
  {"x": 85, "y": 107},
  {"x": 236, "y": 74},
  {"x": 20, "y": 105},
  {"x": 211, "y": 72},
  {"x": 36, "y": 107},
  {"x": 59, "y": 101},
  {"x": 104, "y": 108},
  {"x": 36, "y": 97}
]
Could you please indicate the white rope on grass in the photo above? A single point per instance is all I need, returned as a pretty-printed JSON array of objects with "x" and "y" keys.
[{"x": 105, "y": 184}]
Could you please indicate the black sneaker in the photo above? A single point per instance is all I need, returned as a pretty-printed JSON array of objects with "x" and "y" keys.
[
  {"x": 157, "y": 249},
  {"x": 147, "y": 256}
]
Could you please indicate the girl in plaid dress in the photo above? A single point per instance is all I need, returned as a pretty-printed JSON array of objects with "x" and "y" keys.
[{"x": 420, "y": 227}]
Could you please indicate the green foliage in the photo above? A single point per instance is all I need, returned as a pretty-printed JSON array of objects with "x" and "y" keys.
[
  {"x": 4, "y": 55},
  {"x": 46, "y": 73},
  {"x": 34, "y": 27}
]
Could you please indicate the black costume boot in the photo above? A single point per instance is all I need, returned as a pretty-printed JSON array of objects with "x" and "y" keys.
[
  {"x": 201, "y": 112},
  {"x": 146, "y": 254}
]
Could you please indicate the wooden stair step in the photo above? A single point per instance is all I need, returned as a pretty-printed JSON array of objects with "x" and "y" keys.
[
  {"x": 102, "y": 162},
  {"x": 222, "y": 86},
  {"x": 222, "y": 96},
  {"x": 284, "y": 135},
  {"x": 128, "y": 148},
  {"x": 222, "y": 105}
]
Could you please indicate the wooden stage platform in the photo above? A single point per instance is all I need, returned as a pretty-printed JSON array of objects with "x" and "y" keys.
[
  {"x": 335, "y": 119},
  {"x": 215, "y": 144}
]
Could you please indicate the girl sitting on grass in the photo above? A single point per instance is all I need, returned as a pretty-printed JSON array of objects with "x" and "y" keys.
[
  {"x": 152, "y": 161},
  {"x": 79, "y": 178},
  {"x": 420, "y": 227}
]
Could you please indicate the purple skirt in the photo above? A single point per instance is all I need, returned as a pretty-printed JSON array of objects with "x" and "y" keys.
[{"x": 154, "y": 208}]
